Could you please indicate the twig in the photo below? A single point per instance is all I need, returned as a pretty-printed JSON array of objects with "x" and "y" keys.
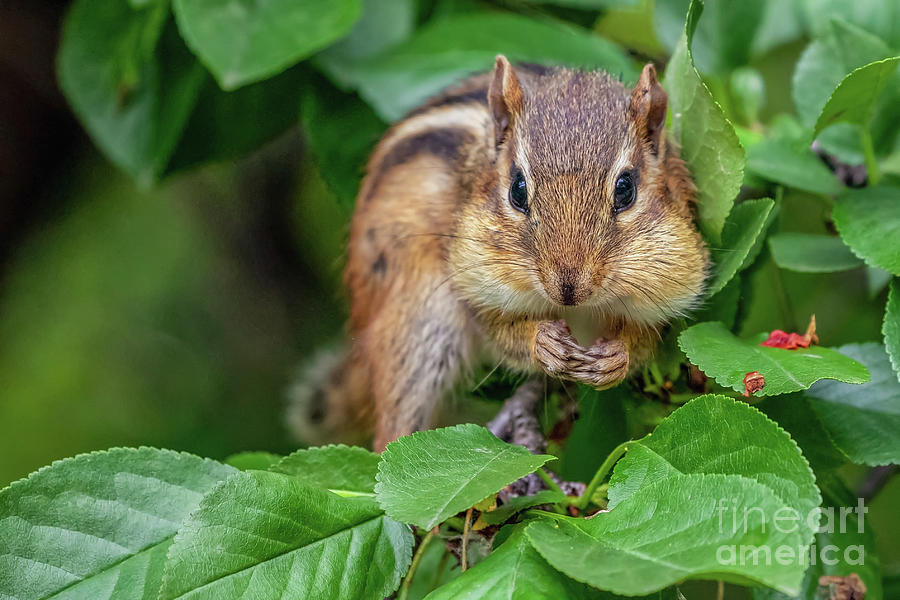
[
  {"x": 517, "y": 422},
  {"x": 420, "y": 551},
  {"x": 465, "y": 539},
  {"x": 720, "y": 594}
]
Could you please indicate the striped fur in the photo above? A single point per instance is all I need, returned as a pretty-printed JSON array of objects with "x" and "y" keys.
[{"x": 443, "y": 272}]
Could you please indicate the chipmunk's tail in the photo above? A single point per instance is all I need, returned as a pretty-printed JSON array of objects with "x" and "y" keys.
[{"x": 329, "y": 400}]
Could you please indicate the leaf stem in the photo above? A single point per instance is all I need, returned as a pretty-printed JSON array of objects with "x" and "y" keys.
[
  {"x": 555, "y": 487},
  {"x": 549, "y": 481},
  {"x": 456, "y": 523},
  {"x": 465, "y": 539},
  {"x": 420, "y": 551},
  {"x": 869, "y": 155},
  {"x": 600, "y": 475}
]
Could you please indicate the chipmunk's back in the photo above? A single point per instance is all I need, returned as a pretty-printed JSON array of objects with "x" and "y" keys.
[{"x": 416, "y": 177}]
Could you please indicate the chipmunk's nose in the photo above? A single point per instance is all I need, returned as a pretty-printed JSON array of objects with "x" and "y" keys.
[
  {"x": 570, "y": 286},
  {"x": 568, "y": 293}
]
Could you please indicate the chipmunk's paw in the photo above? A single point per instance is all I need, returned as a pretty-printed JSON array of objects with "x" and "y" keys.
[
  {"x": 558, "y": 353},
  {"x": 555, "y": 346},
  {"x": 606, "y": 364}
]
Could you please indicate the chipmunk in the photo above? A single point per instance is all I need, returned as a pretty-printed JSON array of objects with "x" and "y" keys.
[{"x": 495, "y": 215}]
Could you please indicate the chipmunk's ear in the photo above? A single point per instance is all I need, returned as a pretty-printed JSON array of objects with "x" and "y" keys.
[
  {"x": 504, "y": 97},
  {"x": 648, "y": 107}
]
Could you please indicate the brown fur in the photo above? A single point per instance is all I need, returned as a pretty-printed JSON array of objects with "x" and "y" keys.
[{"x": 443, "y": 272}]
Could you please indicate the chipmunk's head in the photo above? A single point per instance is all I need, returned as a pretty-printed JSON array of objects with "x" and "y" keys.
[{"x": 586, "y": 203}]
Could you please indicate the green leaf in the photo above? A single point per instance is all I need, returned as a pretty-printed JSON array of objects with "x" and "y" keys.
[
  {"x": 341, "y": 130},
  {"x": 713, "y": 462},
  {"x": 782, "y": 23},
  {"x": 812, "y": 253},
  {"x": 435, "y": 569},
  {"x": 242, "y": 43},
  {"x": 736, "y": 439},
  {"x": 854, "y": 98},
  {"x": 334, "y": 467},
  {"x": 868, "y": 220},
  {"x": 130, "y": 81},
  {"x": 707, "y": 139},
  {"x": 257, "y": 461},
  {"x": 640, "y": 547},
  {"x": 520, "y": 503},
  {"x": 793, "y": 164},
  {"x": 843, "y": 545},
  {"x": 431, "y": 475},
  {"x": 600, "y": 427},
  {"x": 226, "y": 125},
  {"x": 876, "y": 280},
  {"x": 449, "y": 49},
  {"x": 838, "y": 49},
  {"x": 514, "y": 571},
  {"x": 746, "y": 223},
  {"x": 863, "y": 420},
  {"x": 727, "y": 359},
  {"x": 384, "y": 23},
  {"x": 264, "y": 535},
  {"x": 748, "y": 89},
  {"x": 794, "y": 413},
  {"x": 98, "y": 525},
  {"x": 723, "y": 40},
  {"x": 826, "y": 61},
  {"x": 877, "y": 16},
  {"x": 722, "y": 306},
  {"x": 891, "y": 327}
]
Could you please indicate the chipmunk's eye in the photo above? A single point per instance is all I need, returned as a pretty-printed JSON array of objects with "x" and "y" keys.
[
  {"x": 518, "y": 193},
  {"x": 624, "y": 195}
]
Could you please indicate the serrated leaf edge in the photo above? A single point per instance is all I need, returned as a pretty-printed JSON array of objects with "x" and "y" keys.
[
  {"x": 711, "y": 574},
  {"x": 402, "y": 567},
  {"x": 893, "y": 298},
  {"x": 820, "y": 126},
  {"x": 690, "y": 27},
  {"x": 108, "y": 451},
  {"x": 761, "y": 393},
  {"x": 379, "y": 483},
  {"x": 763, "y": 226},
  {"x": 867, "y": 260},
  {"x": 123, "y": 450},
  {"x": 743, "y": 406},
  {"x": 319, "y": 450}
]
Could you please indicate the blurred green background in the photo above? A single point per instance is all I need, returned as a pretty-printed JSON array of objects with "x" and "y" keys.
[{"x": 172, "y": 317}]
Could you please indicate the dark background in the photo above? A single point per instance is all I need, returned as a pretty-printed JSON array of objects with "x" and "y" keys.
[{"x": 172, "y": 317}]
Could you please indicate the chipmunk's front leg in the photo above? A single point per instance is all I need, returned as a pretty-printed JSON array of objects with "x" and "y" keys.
[{"x": 549, "y": 346}]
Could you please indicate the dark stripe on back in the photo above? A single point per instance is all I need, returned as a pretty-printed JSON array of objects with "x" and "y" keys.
[
  {"x": 444, "y": 143},
  {"x": 478, "y": 95}
]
